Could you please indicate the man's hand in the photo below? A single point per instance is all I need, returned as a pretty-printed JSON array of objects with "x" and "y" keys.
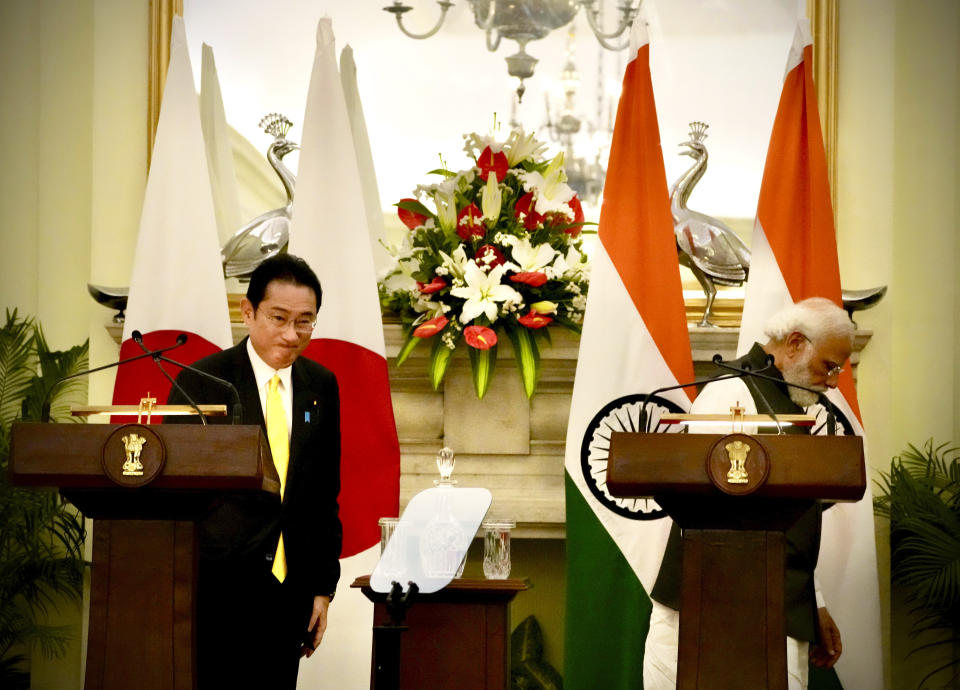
[
  {"x": 828, "y": 650},
  {"x": 317, "y": 625}
]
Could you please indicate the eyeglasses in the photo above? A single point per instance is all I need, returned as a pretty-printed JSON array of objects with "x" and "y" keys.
[
  {"x": 301, "y": 325},
  {"x": 831, "y": 368}
]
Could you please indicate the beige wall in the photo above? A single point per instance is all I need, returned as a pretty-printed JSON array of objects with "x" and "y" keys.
[
  {"x": 72, "y": 133},
  {"x": 897, "y": 219}
]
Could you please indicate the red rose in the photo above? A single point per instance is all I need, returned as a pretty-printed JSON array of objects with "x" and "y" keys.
[
  {"x": 480, "y": 337},
  {"x": 531, "y": 278},
  {"x": 534, "y": 320},
  {"x": 525, "y": 206},
  {"x": 488, "y": 162},
  {"x": 489, "y": 256},
  {"x": 431, "y": 327},
  {"x": 411, "y": 219},
  {"x": 469, "y": 222},
  {"x": 435, "y": 285}
]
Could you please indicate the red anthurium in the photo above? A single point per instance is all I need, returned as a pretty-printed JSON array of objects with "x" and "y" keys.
[
  {"x": 470, "y": 222},
  {"x": 489, "y": 257},
  {"x": 577, "y": 209},
  {"x": 534, "y": 320},
  {"x": 435, "y": 285},
  {"x": 431, "y": 327},
  {"x": 409, "y": 218},
  {"x": 488, "y": 162},
  {"x": 525, "y": 205},
  {"x": 480, "y": 337},
  {"x": 531, "y": 278}
]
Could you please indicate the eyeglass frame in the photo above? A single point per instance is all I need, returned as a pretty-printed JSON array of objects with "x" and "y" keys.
[
  {"x": 835, "y": 370},
  {"x": 281, "y": 323}
]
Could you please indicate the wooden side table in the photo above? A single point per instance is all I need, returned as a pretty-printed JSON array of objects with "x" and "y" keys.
[{"x": 457, "y": 638}]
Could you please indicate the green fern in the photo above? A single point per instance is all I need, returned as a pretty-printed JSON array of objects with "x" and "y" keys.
[
  {"x": 41, "y": 538},
  {"x": 921, "y": 498}
]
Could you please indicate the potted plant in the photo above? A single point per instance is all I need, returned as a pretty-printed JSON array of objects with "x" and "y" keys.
[
  {"x": 920, "y": 495},
  {"x": 41, "y": 537}
]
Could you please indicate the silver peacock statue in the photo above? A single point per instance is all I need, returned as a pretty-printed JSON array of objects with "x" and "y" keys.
[
  {"x": 714, "y": 252},
  {"x": 267, "y": 234}
]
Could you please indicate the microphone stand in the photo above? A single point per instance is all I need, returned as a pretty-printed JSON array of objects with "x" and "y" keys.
[{"x": 45, "y": 406}]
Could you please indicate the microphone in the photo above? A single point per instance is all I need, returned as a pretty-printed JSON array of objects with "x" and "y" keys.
[
  {"x": 45, "y": 406},
  {"x": 182, "y": 338},
  {"x": 831, "y": 408},
  {"x": 643, "y": 422}
]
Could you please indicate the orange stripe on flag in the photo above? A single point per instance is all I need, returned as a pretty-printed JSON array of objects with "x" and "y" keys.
[
  {"x": 636, "y": 226},
  {"x": 794, "y": 206}
]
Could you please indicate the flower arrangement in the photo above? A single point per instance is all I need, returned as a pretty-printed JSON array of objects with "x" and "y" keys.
[{"x": 499, "y": 253}]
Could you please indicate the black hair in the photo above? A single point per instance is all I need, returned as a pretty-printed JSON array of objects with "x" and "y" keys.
[{"x": 285, "y": 268}]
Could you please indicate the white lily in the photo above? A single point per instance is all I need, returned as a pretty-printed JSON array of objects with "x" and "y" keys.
[
  {"x": 491, "y": 199},
  {"x": 446, "y": 209},
  {"x": 519, "y": 147},
  {"x": 482, "y": 292},
  {"x": 527, "y": 257},
  {"x": 550, "y": 189},
  {"x": 456, "y": 263}
]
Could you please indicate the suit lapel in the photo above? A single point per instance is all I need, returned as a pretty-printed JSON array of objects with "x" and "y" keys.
[
  {"x": 303, "y": 403},
  {"x": 247, "y": 387}
]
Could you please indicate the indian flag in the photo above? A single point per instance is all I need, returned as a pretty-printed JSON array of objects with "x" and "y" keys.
[
  {"x": 329, "y": 230},
  {"x": 634, "y": 340},
  {"x": 794, "y": 256},
  {"x": 177, "y": 283}
]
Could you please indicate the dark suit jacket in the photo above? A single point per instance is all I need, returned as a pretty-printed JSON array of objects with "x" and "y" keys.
[{"x": 243, "y": 529}]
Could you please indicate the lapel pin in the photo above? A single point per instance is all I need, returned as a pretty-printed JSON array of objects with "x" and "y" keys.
[{"x": 306, "y": 416}]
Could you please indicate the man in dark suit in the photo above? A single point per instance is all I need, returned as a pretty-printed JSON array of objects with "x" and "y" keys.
[{"x": 263, "y": 597}]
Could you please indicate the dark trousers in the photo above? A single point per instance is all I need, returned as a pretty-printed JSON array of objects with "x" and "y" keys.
[{"x": 249, "y": 627}]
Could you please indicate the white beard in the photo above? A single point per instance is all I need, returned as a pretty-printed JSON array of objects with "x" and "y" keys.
[{"x": 799, "y": 374}]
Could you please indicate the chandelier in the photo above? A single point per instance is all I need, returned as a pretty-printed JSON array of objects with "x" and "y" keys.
[
  {"x": 523, "y": 21},
  {"x": 585, "y": 144}
]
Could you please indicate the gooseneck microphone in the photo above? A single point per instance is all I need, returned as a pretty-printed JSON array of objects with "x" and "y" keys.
[
  {"x": 181, "y": 339},
  {"x": 831, "y": 408},
  {"x": 237, "y": 407},
  {"x": 644, "y": 422},
  {"x": 45, "y": 406}
]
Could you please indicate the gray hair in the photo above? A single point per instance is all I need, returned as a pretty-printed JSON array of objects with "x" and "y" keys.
[{"x": 816, "y": 318}]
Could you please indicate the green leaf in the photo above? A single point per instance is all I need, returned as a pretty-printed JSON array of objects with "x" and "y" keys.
[
  {"x": 482, "y": 362},
  {"x": 18, "y": 365},
  {"x": 416, "y": 207},
  {"x": 528, "y": 358},
  {"x": 439, "y": 359},
  {"x": 442, "y": 171},
  {"x": 409, "y": 343}
]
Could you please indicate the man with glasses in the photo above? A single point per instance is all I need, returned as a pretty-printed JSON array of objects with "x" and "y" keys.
[
  {"x": 269, "y": 567},
  {"x": 810, "y": 341}
]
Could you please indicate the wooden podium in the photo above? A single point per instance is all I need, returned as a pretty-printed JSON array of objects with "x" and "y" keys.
[
  {"x": 734, "y": 496},
  {"x": 458, "y": 637},
  {"x": 142, "y": 607}
]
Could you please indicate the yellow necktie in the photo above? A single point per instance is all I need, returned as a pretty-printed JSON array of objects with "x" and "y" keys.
[{"x": 280, "y": 449}]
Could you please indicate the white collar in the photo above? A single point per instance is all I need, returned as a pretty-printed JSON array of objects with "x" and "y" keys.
[{"x": 263, "y": 372}]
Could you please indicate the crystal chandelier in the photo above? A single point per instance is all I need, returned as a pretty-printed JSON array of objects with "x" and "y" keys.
[
  {"x": 585, "y": 144},
  {"x": 524, "y": 21}
]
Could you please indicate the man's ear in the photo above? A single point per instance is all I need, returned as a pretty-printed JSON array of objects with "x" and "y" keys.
[
  {"x": 246, "y": 309},
  {"x": 795, "y": 342}
]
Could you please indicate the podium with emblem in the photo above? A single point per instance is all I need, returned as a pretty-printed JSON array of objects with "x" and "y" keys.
[
  {"x": 145, "y": 486},
  {"x": 734, "y": 496}
]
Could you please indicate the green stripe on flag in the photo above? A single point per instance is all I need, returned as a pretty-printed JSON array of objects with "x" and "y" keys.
[{"x": 608, "y": 611}]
